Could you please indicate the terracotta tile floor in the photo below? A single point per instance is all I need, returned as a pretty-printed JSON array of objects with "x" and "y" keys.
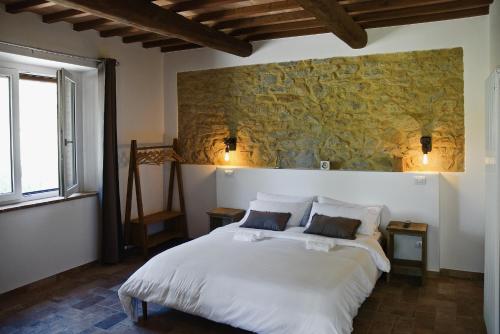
[{"x": 86, "y": 302}]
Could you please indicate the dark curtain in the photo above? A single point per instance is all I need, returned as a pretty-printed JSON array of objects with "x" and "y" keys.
[{"x": 112, "y": 238}]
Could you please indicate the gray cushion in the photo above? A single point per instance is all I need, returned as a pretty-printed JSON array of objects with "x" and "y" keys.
[
  {"x": 275, "y": 221},
  {"x": 334, "y": 227}
]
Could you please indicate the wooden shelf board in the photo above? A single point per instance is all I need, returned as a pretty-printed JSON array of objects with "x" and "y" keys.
[
  {"x": 162, "y": 237},
  {"x": 158, "y": 217}
]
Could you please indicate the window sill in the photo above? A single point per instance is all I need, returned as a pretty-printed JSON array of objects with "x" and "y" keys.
[{"x": 44, "y": 201}]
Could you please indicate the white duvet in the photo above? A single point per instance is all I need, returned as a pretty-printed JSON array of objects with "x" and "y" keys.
[{"x": 273, "y": 285}]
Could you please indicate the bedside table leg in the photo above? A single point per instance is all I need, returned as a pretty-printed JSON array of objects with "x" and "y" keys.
[
  {"x": 424, "y": 257},
  {"x": 390, "y": 254}
]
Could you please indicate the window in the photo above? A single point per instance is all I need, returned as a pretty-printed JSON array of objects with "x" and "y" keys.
[
  {"x": 5, "y": 136},
  {"x": 38, "y": 134},
  {"x": 38, "y": 141}
]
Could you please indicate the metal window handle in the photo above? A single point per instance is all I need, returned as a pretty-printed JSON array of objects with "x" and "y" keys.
[{"x": 66, "y": 142}]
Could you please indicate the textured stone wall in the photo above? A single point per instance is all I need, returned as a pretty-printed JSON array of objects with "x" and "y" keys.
[{"x": 360, "y": 113}]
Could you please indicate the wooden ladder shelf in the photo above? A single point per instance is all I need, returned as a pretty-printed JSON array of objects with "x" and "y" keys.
[{"x": 174, "y": 222}]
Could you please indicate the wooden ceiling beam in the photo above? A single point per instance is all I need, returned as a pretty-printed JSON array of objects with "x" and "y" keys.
[
  {"x": 26, "y": 5},
  {"x": 179, "y": 47},
  {"x": 147, "y": 16},
  {"x": 163, "y": 42},
  {"x": 61, "y": 15},
  {"x": 245, "y": 13},
  {"x": 289, "y": 33},
  {"x": 91, "y": 24},
  {"x": 334, "y": 16},
  {"x": 258, "y": 37},
  {"x": 141, "y": 37},
  {"x": 116, "y": 32},
  {"x": 382, "y": 22}
]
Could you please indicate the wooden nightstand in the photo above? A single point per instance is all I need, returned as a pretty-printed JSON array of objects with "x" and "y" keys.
[
  {"x": 223, "y": 216},
  {"x": 414, "y": 229}
]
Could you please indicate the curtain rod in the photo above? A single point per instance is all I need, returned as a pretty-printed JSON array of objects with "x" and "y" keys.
[{"x": 33, "y": 49}]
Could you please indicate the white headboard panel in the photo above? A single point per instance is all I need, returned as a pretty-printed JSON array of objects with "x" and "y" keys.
[{"x": 399, "y": 192}]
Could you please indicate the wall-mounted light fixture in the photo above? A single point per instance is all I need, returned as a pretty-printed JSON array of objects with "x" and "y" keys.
[
  {"x": 230, "y": 143},
  {"x": 426, "y": 142}
]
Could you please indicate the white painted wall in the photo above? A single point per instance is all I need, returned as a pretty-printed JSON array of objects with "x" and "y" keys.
[
  {"x": 495, "y": 34},
  {"x": 462, "y": 222},
  {"x": 39, "y": 242},
  {"x": 200, "y": 191},
  {"x": 402, "y": 198},
  {"x": 140, "y": 107}
]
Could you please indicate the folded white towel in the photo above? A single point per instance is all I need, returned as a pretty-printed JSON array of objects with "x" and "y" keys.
[
  {"x": 320, "y": 246},
  {"x": 250, "y": 236}
]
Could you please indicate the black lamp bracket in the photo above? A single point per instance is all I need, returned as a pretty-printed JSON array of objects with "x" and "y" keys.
[
  {"x": 426, "y": 142},
  {"x": 231, "y": 142}
]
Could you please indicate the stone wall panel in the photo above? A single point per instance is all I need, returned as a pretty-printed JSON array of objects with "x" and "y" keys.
[{"x": 360, "y": 113}]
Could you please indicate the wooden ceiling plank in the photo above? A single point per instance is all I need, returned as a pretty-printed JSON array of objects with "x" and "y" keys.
[
  {"x": 116, "y": 32},
  {"x": 26, "y": 5},
  {"x": 198, "y": 4},
  {"x": 248, "y": 11},
  {"x": 91, "y": 24},
  {"x": 424, "y": 10},
  {"x": 334, "y": 16},
  {"x": 147, "y": 16},
  {"x": 163, "y": 42},
  {"x": 61, "y": 15},
  {"x": 314, "y": 23},
  {"x": 425, "y": 18},
  {"x": 359, "y": 8},
  {"x": 264, "y": 20}
]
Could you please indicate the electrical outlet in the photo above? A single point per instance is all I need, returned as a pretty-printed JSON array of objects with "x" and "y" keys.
[
  {"x": 420, "y": 180},
  {"x": 418, "y": 244}
]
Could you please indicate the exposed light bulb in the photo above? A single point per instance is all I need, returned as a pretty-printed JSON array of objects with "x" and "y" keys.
[
  {"x": 226, "y": 153},
  {"x": 425, "y": 159}
]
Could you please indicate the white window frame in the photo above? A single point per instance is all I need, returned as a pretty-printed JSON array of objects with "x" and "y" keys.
[
  {"x": 17, "y": 196},
  {"x": 66, "y": 190},
  {"x": 15, "y": 157}
]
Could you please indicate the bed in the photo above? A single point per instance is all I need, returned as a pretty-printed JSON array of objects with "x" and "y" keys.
[{"x": 274, "y": 285}]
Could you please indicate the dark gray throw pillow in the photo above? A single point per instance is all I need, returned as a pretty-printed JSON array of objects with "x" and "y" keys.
[
  {"x": 275, "y": 221},
  {"x": 334, "y": 227}
]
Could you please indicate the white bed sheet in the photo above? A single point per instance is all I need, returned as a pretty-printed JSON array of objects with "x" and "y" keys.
[{"x": 271, "y": 286}]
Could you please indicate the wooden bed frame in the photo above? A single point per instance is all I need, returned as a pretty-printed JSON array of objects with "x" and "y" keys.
[{"x": 144, "y": 311}]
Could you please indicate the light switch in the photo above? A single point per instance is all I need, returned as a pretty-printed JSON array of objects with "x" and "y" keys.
[{"x": 420, "y": 180}]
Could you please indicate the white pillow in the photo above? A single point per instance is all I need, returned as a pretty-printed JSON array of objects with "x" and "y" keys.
[
  {"x": 367, "y": 215},
  {"x": 332, "y": 201},
  {"x": 297, "y": 210},
  {"x": 289, "y": 199},
  {"x": 329, "y": 200},
  {"x": 284, "y": 198}
]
